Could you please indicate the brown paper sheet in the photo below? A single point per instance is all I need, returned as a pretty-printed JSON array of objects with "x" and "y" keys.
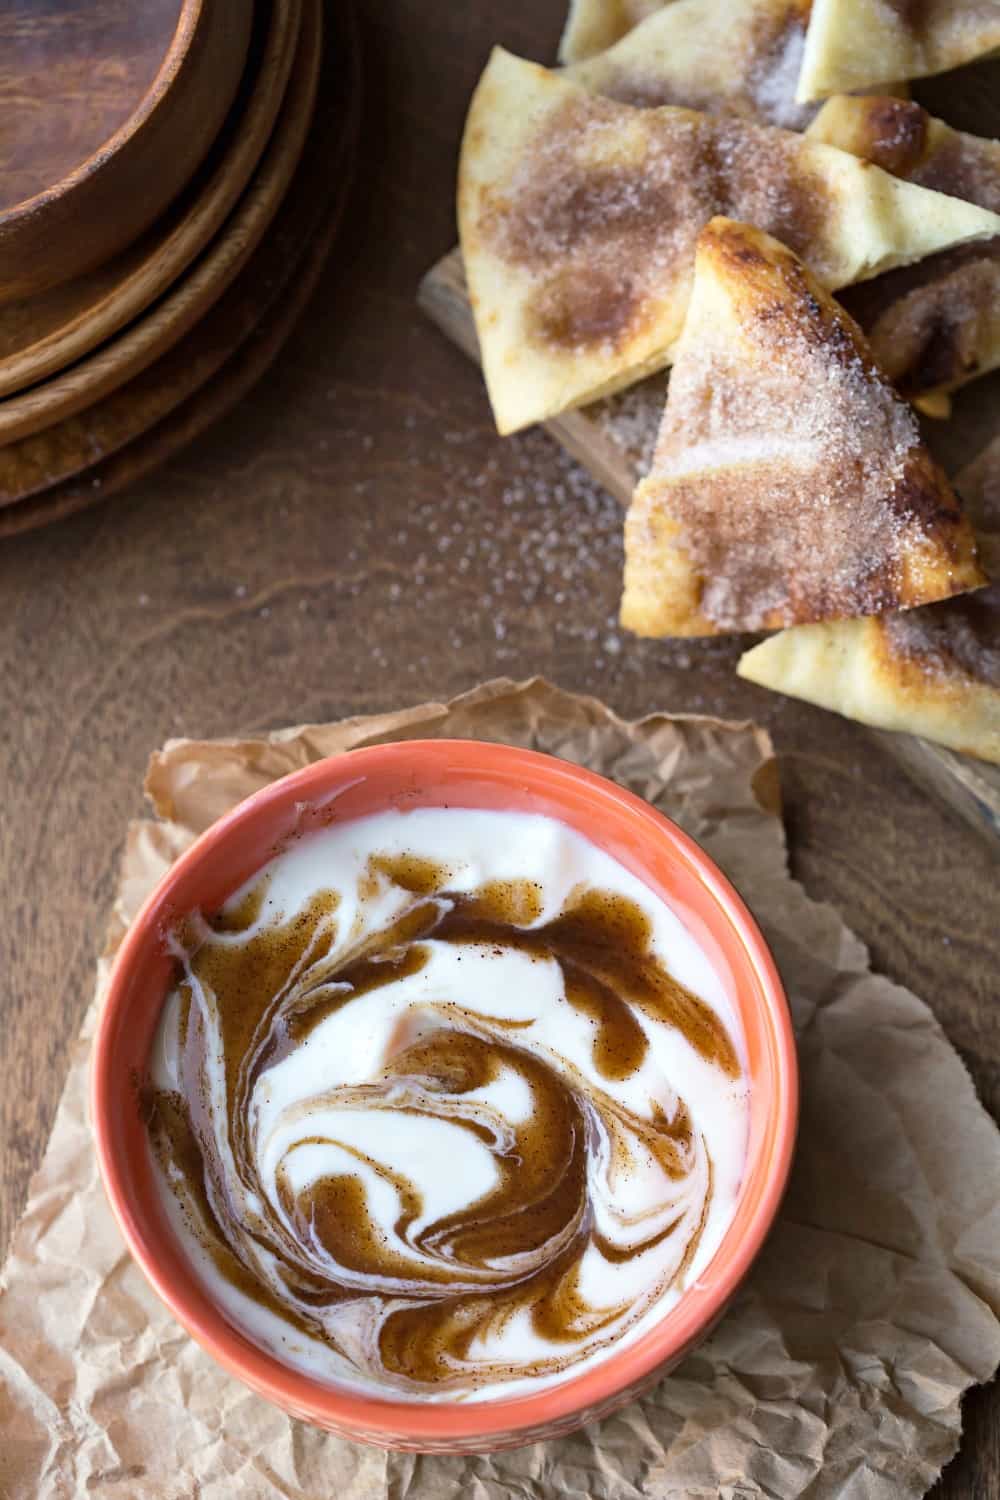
[{"x": 837, "y": 1372}]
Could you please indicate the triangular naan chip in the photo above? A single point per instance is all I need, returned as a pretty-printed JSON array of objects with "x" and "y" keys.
[
  {"x": 933, "y": 672},
  {"x": 935, "y": 325},
  {"x": 578, "y": 219},
  {"x": 789, "y": 482},
  {"x": 713, "y": 55},
  {"x": 594, "y": 25},
  {"x": 859, "y": 44}
]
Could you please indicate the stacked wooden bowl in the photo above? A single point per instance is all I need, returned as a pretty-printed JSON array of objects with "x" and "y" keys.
[{"x": 172, "y": 179}]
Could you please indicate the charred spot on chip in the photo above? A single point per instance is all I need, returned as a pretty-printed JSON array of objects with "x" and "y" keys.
[
  {"x": 746, "y": 254},
  {"x": 896, "y": 137},
  {"x": 728, "y": 241}
]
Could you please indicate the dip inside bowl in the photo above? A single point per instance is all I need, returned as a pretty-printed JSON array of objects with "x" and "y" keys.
[{"x": 451, "y": 775}]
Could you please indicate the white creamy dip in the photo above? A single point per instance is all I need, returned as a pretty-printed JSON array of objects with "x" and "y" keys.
[{"x": 468, "y": 1103}]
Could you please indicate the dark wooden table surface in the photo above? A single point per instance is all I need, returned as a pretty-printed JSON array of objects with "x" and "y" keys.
[{"x": 355, "y": 536}]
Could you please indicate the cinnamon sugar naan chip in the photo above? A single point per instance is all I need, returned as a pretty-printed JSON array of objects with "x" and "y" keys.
[
  {"x": 712, "y": 55},
  {"x": 789, "y": 482},
  {"x": 935, "y": 325},
  {"x": 579, "y": 215},
  {"x": 933, "y": 672},
  {"x": 594, "y": 25},
  {"x": 859, "y": 44}
]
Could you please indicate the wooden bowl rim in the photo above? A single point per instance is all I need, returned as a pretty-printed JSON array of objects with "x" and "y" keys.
[
  {"x": 28, "y": 415},
  {"x": 191, "y": 14},
  {"x": 244, "y": 363},
  {"x": 52, "y": 353}
]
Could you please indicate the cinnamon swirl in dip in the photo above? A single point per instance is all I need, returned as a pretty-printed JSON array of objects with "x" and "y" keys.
[{"x": 446, "y": 1104}]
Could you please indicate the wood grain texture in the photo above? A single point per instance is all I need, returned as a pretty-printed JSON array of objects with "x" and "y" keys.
[
  {"x": 612, "y": 438},
  {"x": 58, "y": 427},
  {"x": 43, "y": 334},
  {"x": 354, "y": 536},
  {"x": 91, "y": 66}
]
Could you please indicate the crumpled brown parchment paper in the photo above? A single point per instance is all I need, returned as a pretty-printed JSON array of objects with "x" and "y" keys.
[{"x": 837, "y": 1372}]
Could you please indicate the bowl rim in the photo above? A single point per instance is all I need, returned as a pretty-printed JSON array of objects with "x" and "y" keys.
[
  {"x": 184, "y": 33},
  {"x": 446, "y": 1423}
]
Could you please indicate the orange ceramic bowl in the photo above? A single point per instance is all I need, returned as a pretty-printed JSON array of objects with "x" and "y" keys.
[{"x": 455, "y": 773}]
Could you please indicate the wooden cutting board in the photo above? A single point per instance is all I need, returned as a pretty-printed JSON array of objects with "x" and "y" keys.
[{"x": 613, "y": 439}]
